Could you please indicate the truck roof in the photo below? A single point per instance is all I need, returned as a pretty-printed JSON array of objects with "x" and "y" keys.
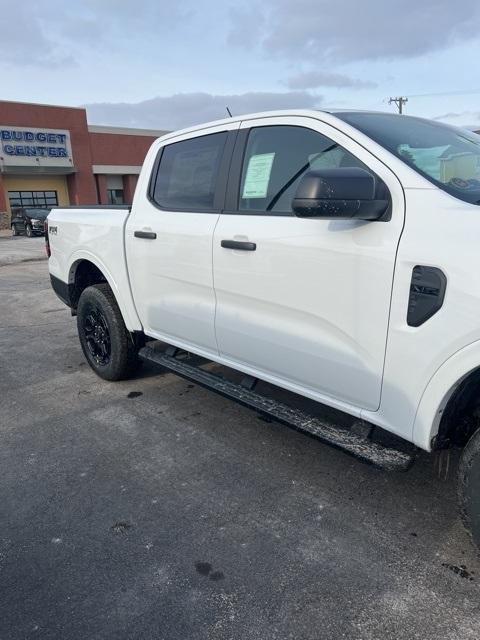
[{"x": 312, "y": 113}]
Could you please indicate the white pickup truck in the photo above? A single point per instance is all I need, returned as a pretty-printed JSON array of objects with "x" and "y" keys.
[{"x": 333, "y": 254}]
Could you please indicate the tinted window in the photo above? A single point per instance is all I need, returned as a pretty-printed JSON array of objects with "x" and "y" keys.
[
  {"x": 37, "y": 213},
  {"x": 276, "y": 159},
  {"x": 45, "y": 199},
  {"x": 188, "y": 171},
  {"x": 115, "y": 196},
  {"x": 447, "y": 156}
]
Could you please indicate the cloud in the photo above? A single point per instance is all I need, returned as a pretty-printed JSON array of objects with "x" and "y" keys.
[
  {"x": 450, "y": 114},
  {"x": 247, "y": 30},
  {"x": 24, "y": 41},
  {"x": 349, "y": 30},
  {"x": 55, "y": 34},
  {"x": 314, "y": 79},
  {"x": 186, "y": 109},
  {"x": 125, "y": 16},
  {"x": 464, "y": 119}
]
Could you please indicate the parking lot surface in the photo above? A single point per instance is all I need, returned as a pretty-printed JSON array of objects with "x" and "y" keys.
[
  {"x": 20, "y": 249},
  {"x": 154, "y": 509}
]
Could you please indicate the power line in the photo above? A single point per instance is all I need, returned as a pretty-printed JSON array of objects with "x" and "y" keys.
[{"x": 400, "y": 101}]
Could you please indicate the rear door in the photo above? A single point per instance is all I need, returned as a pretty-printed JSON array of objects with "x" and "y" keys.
[
  {"x": 169, "y": 237},
  {"x": 304, "y": 302}
]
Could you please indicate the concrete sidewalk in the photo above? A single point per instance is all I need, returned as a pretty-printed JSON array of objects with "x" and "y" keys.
[{"x": 20, "y": 249}]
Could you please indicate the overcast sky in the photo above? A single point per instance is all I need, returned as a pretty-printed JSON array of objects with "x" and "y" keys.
[{"x": 164, "y": 65}]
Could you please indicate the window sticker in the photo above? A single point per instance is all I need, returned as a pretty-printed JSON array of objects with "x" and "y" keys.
[{"x": 258, "y": 176}]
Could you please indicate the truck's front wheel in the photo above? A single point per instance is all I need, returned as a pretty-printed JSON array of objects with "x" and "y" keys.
[
  {"x": 469, "y": 485},
  {"x": 106, "y": 343}
]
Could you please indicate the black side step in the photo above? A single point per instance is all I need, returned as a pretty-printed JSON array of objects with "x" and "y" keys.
[{"x": 349, "y": 442}]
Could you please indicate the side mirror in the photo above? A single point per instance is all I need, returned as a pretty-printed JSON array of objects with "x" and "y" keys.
[{"x": 340, "y": 194}]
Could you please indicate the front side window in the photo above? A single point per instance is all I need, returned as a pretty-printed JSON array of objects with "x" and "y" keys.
[
  {"x": 187, "y": 173},
  {"x": 447, "y": 156},
  {"x": 276, "y": 159}
]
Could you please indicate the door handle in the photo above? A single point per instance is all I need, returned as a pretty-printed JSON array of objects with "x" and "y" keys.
[
  {"x": 238, "y": 245},
  {"x": 148, "y": 235}
]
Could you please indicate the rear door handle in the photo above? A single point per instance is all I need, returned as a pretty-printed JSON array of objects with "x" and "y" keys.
[
  {"x": 238, "y": 245},
  {"x": 148, "y": 235}
]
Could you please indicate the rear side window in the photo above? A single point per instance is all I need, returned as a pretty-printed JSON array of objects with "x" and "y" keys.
[
  {"x": 188, "y": 172},
  {"x": 276, "y": 159}
]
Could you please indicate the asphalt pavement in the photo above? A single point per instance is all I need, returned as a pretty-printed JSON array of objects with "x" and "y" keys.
[
  {"x": 20, "y": 249},
  {"x": 155, "y": 509}
]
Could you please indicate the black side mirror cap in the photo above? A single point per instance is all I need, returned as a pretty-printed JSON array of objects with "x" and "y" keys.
[{"x": 342, "y": 193}]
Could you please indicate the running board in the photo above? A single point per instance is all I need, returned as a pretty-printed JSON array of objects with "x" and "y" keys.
[{"x": 352, "y": 443}]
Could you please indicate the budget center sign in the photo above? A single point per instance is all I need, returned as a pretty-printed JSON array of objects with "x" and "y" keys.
[{"x": 35, "y": 147}]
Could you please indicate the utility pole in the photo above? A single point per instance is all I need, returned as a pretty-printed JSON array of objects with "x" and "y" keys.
[{"x": 400, "y": 101}]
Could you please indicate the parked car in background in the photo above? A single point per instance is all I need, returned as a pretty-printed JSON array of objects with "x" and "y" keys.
[{"x": 29, "y": 220}]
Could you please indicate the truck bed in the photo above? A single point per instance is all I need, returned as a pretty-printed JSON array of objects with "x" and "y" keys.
[{"x": 95, "y": 234}]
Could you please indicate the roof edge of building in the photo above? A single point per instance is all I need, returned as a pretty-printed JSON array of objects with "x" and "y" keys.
[
  {"x": 126, "y": 131},
  {"x": 43, "y": 104}
]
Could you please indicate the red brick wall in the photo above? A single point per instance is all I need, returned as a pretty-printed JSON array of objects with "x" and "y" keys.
[
  {"x": 102, "y": 189},
  {"x": 111, "y": 148},
  {"x": 4, "y": 217},
  {"x": 129, "y": 184}
]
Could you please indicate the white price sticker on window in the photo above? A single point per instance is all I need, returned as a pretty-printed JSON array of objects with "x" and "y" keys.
[{"x": 258, "y": 176}]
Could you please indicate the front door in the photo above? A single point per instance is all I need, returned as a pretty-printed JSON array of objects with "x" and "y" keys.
[
  {"x": 169, "y": 238},
  {"x": 307, "y": 304}
]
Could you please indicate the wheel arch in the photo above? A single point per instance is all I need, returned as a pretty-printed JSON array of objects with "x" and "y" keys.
[
  {"x": 449, "y": 408},
  {"x": 82, "y": 274},
  {"x": 87, "y": 270}
]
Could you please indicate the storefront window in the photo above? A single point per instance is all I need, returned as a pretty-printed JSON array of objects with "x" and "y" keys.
[{"x": 46, "y": 199}]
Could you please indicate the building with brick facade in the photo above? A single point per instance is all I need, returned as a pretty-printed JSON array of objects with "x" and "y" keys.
[{"x": 50, "y": 155}]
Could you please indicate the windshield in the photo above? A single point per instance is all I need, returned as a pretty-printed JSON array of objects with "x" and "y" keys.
[
  {"x": 447, "y": 156},
  {"x": 37, "y": 213}
]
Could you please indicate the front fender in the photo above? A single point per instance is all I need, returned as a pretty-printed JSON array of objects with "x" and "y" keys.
[{"x": 439, "y": 390}]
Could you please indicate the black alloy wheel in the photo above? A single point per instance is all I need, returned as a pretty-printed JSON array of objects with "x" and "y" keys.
[{"x": 97, "y": 336}]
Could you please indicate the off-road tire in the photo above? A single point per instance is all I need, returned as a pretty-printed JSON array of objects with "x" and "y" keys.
[
  {"x": 123, "y": 360},
  {"x": 469, "y": 486}
]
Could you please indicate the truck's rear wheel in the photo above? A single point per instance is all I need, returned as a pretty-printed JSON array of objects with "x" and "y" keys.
[
  {"x": 469, "y": 486},
  {"x": 106, "y": 343}
]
